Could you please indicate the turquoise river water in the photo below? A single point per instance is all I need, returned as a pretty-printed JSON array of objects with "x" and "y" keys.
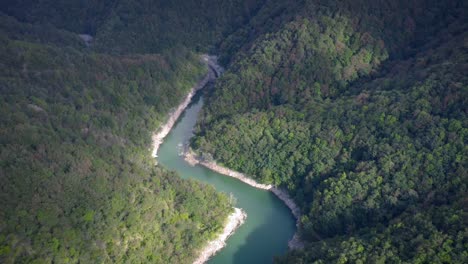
[{"x": 269, "y": 225}]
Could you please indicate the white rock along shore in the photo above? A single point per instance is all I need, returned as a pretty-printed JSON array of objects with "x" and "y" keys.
[
  {"x": 235, "y": 220},
  {"x": 214, "y": 70},
  {"x": 295, "y": 242}
]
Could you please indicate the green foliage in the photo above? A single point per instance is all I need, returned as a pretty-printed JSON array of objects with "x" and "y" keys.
[
  {"x": 357, "y": 107},
  {"x": 141, "y": 26},
  {"x": 304, "y": 59},
  {"x": 410, "y": 238},
  {"x": 150, "y": 26},
  {"x": 362, "y": 120},
  {"x": 77, "y": 181}
]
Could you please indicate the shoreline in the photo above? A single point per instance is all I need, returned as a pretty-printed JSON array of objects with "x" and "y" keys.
[
  {"x": 213, "y": 71},
  {"x": 235, "y": 220},
  {"x": 295, "y": 242}
]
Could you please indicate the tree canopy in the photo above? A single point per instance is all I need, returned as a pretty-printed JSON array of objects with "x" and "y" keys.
[{"x": 359, "y": 110}]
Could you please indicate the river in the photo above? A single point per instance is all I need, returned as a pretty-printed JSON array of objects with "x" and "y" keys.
[{"x": 269, "y": 225}]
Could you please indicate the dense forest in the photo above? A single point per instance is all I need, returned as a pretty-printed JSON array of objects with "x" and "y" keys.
[
  {"x": 141, "y": 26},
  {"x": 77, "y": 181},
  {"x": 357, "y": 107}
]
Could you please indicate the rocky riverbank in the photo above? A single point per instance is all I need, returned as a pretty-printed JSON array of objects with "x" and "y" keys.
[
  {"x": 235, "y": 220},
  {"x": 214, "y": 70},
  {"x": 238, "y": 217},
  {"x": 295, "y": 242}
]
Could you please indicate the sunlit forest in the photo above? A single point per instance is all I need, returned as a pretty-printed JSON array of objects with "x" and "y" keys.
[
  {"x": 357, "y": 108},
  {"x": 77, "y": 181}
]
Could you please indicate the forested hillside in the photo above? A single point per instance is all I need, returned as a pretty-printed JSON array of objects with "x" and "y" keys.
[
  {"x": 128, "y": 26},
  {"x": 77, "y": 182},
  {"x": 358, "y": 108}
]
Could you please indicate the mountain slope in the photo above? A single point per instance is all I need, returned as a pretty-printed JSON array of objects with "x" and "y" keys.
[
  {"x": 364, "y": 121},
  {"x": 357, "y": 108},
  {"x": 77, "y": 180},
  {"x": 123, "y": 26}
]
